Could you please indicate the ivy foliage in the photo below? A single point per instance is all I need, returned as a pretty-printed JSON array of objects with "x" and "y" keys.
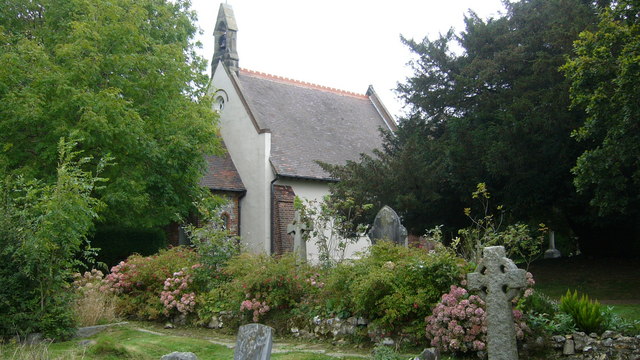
[{"x": 122, "y": 76}]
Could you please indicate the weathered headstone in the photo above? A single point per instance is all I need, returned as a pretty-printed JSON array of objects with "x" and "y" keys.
[
  {"x": 387, "y": 226},
  {"x": 498, "y": 280},
  {"x": 297, "y": 228},
  {"x": 552, "y": 252},
  {"x": 254, "y": 343}
]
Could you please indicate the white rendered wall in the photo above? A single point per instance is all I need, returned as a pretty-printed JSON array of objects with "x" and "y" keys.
[
  {"x": 250, "y": 153},
  {"x": 316, "y": 190}
]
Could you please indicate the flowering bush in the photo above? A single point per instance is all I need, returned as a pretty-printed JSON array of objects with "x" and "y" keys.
[
  {"x": 118, "y": 281},
  {"x": 459, "y": 322},
  {"x": 140, "y": 280},
  {"x": 176, "y": 293},
  {"x": 314, "y": 280},
  {"x": 392, "y": 286},
  {"x": 268, "y": 284}
]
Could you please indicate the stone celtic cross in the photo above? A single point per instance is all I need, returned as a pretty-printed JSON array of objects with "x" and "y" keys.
[
  {"x": 297, "y": 228},
  {"x": 498, "y": 280}
]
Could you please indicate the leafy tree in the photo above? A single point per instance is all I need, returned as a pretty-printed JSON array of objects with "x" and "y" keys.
[
  {"x": 495, "y": 112},
  {"x": 604, "y": 77},
  {"x": 123, "y": 77},
  {"x": 43, "y": 232}
]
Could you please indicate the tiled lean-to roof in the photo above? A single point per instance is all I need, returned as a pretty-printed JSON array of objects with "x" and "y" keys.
[
  {"x": 221, "y": 173},
  {"x": 310, "y": 123}
]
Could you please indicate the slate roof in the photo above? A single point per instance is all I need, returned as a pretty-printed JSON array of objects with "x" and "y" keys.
[
  {"x": 221, "y": 173},
  {"x": 310, "y": 122}
]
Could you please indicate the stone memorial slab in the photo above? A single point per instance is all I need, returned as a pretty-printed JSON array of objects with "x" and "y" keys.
[
  {"x": 254, "y": 343},
  {"x": 387, "y": 226},
  {"x": 298, "y": 228},
  {"x": 498, "y": 281}
]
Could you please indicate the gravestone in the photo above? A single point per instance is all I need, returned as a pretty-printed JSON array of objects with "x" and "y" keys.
[
  {"x": 387, "y": 226},
  {"x": 297, "y": 228},
  {"x": 254, "y": 343},
  {"x": 552, "y": 252},
  {"x": 498, "y": 280}
]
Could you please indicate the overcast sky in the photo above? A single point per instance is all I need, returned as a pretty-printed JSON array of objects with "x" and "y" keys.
[{"x": 345, "y": 44}]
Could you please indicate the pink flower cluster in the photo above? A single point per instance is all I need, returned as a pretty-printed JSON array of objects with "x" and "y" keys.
[
  {"x": 530, "y": 282},
  {"x": 175, "y": 295},
  {"x": 258, "y": 308},
  {"x": 459, "y": 322},
  {"x": 314, "y": 281},
  {"x": 118, "y": 281}
]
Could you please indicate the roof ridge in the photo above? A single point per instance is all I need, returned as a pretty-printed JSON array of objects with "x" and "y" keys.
[{"x": 303, "y": 83}]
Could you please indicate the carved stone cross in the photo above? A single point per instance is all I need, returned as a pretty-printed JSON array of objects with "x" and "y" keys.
[
  {"x": 297, "y": 228},
  {"x": 498, "y": 279}
]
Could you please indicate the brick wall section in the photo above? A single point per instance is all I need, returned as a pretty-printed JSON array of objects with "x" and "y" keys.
[{"x": 283, "y": 213}]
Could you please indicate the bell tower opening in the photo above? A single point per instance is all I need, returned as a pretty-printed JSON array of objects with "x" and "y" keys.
[{"x": 225, "y": 34}]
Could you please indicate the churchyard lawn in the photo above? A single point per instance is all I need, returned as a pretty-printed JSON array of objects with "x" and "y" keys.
[
  {"x": 613, "y": 282},
  {"x": 145, "y": 340}
]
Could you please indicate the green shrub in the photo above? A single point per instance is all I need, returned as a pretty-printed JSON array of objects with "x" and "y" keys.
[
  {"x": 382, "y": 352},
  {"x": 264, "y": 286},
  {"x": 213, "y": 243},
  {"x": 117, "y": 244},
  {"x": 586, "y": 314},
  {"x": 543, "y": 315},
  {"x": 538, "y": 303},
  {"x": 615, "y": 322},
  {"x": 393, "y": 286}
]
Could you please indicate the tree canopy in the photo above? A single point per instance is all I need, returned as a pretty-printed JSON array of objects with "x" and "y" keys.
[
  {"x": 604, "y": 76},
  {"x": 495, "y": 112},
  {"x": 121, "y": 78}
]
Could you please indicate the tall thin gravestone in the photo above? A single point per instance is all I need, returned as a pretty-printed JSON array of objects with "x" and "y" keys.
[
  {"x": 297, "y": 228},
  {"x": 498, "y": 280},
  {"x": 552, "y": 252},
  {"x": 254, "y": 343},
  {"x": 387, "y": 226}
]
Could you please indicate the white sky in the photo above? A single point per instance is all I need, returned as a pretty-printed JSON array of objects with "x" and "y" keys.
[{"x": 345, "y": 44}]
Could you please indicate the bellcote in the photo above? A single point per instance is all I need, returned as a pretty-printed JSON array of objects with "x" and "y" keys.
[{"x": 225, "y": 34}]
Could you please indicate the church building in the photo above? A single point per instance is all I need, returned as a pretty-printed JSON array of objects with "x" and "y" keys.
[{"x": 274, "y": 130}]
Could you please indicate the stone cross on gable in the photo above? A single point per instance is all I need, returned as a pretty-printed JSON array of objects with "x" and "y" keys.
[
  {"x": 297, "y": 228},
  {"x": 498, "y": 279}
]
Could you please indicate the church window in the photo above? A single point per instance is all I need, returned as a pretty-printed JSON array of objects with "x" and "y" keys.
[
  {"x": 219, "y": 103},
  {"x": 225, "y": 220}
]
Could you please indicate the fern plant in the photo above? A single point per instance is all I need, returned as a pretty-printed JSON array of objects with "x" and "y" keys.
[{"x": 586, "y": 314}]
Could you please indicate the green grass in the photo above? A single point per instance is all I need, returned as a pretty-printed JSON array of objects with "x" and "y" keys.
[
  {"x": 125, "y": 342},
  {"x": 613, "y": 282},
  {"x": 629, "y": 312}
]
